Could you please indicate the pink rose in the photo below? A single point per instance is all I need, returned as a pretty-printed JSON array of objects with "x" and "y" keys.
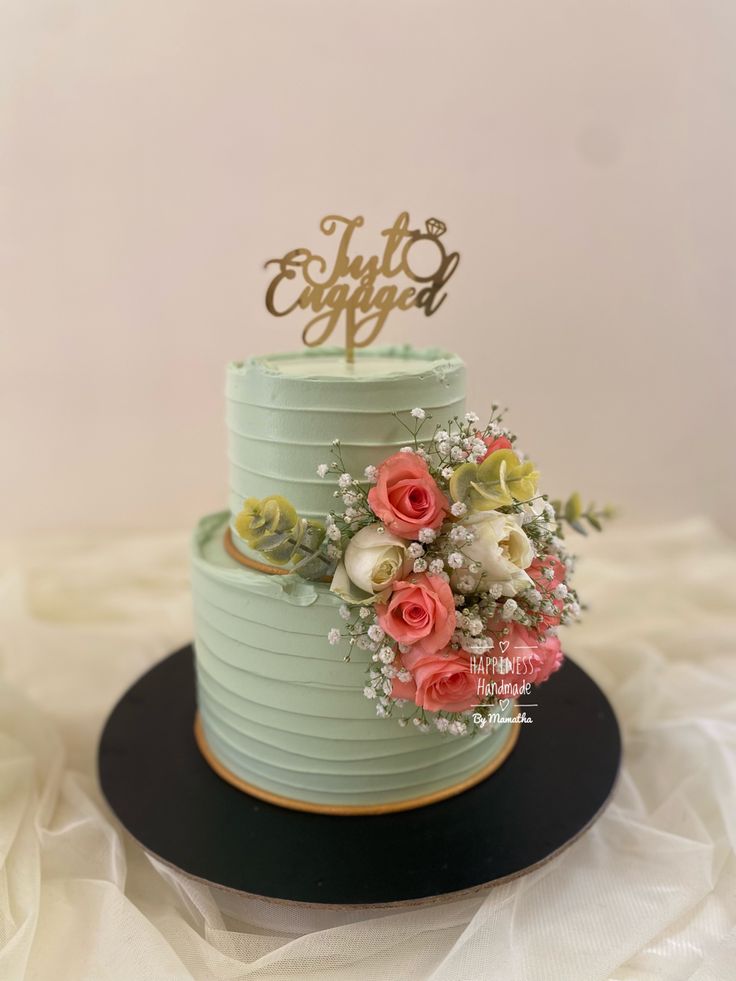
[
  {"x": 547, "y": 586},
  {"x": 444, "y": 680},
  {"x": 550, "y": 658},
  {"x": 420, "y": 613},
  {"x": 493, "y": 444},
  {"x": 536, "y": 571},
  {"x": 406, "y": 498},
  {"x": 531, "y": 658}
]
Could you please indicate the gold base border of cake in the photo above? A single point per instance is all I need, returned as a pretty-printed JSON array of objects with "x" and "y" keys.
[
  {"x": 349, "y": 809},
  {"x": 236, "y": 554}
]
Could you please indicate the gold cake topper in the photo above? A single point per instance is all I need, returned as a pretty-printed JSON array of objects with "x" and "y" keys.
[{"x": 349, "y": 288}]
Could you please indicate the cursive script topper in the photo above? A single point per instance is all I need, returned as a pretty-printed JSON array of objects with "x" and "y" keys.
[{"x": 353, "y": 287}]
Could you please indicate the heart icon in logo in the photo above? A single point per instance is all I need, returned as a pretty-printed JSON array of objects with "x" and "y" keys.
[
  {"x": 503, "y": 645},
  {"x": 504, "y": 703}
]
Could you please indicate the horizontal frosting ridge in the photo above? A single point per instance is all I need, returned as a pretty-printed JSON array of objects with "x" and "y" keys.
[
  {"x": 284, "y": 712},
  {"x": 284, "y": 411}
]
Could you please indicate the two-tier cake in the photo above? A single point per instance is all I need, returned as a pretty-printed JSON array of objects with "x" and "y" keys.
[{"x": 282, "y": 713}]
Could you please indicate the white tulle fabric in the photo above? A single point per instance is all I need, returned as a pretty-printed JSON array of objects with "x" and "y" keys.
[{"x": 649, "y": 892}]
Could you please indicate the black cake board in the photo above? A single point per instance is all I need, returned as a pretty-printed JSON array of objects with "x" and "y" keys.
[{"x": 552, "y": 787}]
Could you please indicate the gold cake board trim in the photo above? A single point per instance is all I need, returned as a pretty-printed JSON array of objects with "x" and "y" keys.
[{"x": 353, "y": 809}]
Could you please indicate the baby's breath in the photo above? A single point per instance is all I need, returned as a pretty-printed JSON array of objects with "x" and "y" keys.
[{"x": 487, "y": 608}]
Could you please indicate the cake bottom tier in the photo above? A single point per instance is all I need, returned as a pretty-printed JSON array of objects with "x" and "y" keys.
[{"x": 283, "y": 716}]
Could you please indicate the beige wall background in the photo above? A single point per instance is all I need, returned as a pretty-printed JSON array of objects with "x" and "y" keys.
[{"x": 154, "y": 154}]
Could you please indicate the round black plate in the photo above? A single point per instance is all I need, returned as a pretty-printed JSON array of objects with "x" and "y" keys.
[{"x": 553, "y": 785}]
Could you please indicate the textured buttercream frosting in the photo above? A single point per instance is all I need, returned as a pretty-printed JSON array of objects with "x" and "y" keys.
[
  {"x": 281, "y": 710},
  {"x": 279, "y": 707},
  {"x": 284, "y": 411}
]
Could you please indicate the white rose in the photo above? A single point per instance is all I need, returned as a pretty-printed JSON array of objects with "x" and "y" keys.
[
  {"x": 501, "y": 549},
  {"x": 373, "y": 559}
]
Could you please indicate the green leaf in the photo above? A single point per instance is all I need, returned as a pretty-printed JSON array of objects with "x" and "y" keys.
[
  {"x": 508, "y": 476},
  {"x": 278, "y": 548},
  {"x": 461, "y": 481},
  {"x": 573, "y": 514},
  {"x": 312, "y": 534},
  {"x": 314, "y": 567},
  {"x": 573, "y": 509},
  {"x": 497, "y": 482},
  {"x": 273, "y": 527}
]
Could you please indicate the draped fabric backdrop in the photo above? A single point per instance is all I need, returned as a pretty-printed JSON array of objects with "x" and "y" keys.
[{"x": 648, "y": 893}]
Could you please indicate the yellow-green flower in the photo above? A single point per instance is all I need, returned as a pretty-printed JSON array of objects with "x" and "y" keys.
[{"x": 497, "y": 482}]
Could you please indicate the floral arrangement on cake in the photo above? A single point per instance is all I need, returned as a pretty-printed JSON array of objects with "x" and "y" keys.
[{"x": 451, "y": 567}]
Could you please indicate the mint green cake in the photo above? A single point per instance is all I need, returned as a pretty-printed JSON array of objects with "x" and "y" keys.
[{"x": 281, "y": 714}]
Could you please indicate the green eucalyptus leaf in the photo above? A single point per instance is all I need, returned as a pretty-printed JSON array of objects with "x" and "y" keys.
[
  {"x": 273, "y": 527},
  {"x": 461, "y": 481},
  {"x": 517, "y": 481},
  {"x": 268, "y": 542},
  {"x": 573, "y": 508},
  {"x": 314, "y": 567},
  {"x": 487, "y": 497},
  {"x": 497, "y": 482},
  {"x": 311, "y": 537},
  {"x": 278, "y": 549}
]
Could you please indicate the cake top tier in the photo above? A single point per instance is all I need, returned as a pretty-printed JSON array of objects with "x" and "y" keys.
[{"x": 284, "y": 411}]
